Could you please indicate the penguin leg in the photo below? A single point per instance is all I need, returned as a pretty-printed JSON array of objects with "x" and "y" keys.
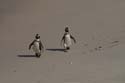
[
  {"x": 68, "y": 48},
  {"x": 65, "y": 46},
  {"x": 38, "y": 55}
]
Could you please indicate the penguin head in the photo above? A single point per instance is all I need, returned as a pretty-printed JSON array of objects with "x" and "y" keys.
[
  {"x": 37, "y": 36},
  {"x": 67, "y": 29}
]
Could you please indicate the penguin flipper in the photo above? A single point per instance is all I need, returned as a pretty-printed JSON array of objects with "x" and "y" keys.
[
  {"x": 41, "y": 46},
  {"x": 62, "y": 40},
  {"x": 73, "y": 38},
  {"x": 31, "y": 44}
]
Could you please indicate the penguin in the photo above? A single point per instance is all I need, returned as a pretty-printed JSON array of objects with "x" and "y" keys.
[
  {"x": 37, "y": 46},
  {"x": 67, "y": 39}
]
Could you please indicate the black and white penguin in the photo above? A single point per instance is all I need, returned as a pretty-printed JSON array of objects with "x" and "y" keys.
[
  {"x": 67, "y": 39},
  {"x": 37, "y": 46}
]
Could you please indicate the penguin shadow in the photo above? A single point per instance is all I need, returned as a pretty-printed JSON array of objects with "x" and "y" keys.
[
  {"x": 56, "y": 49},
  {"x": 26, "y": 56}
]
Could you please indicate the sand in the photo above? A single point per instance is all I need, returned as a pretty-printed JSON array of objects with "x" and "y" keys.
[{"x": 97, "y": 25}]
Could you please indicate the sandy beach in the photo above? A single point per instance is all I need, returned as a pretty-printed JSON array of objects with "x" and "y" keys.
[{"x": 97, "y": 57}]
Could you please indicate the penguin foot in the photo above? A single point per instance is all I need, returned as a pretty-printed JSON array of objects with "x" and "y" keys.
[
  {"x": 67, "y": 48},
  {"x": 38, "y": 55}
]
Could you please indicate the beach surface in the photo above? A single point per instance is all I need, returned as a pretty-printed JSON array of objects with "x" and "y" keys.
[{"x": 97, "y": 57}]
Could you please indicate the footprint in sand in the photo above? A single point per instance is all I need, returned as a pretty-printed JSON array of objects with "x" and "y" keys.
[
  {"x": 112, "y": 44},
  {"x": 85, "y": 44},
  {"x": 115, "y": 42},
  {"x": 14, "y": 71},
  {"x": 99, "y": 48}
]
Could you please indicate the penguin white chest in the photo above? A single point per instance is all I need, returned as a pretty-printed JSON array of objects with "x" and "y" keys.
[
  {"x": 36, "y": 47},
  {"x": 68, "y": 40}
]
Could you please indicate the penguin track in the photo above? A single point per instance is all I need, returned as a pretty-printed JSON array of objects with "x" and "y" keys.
[{"x": 102, "y": 47}]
